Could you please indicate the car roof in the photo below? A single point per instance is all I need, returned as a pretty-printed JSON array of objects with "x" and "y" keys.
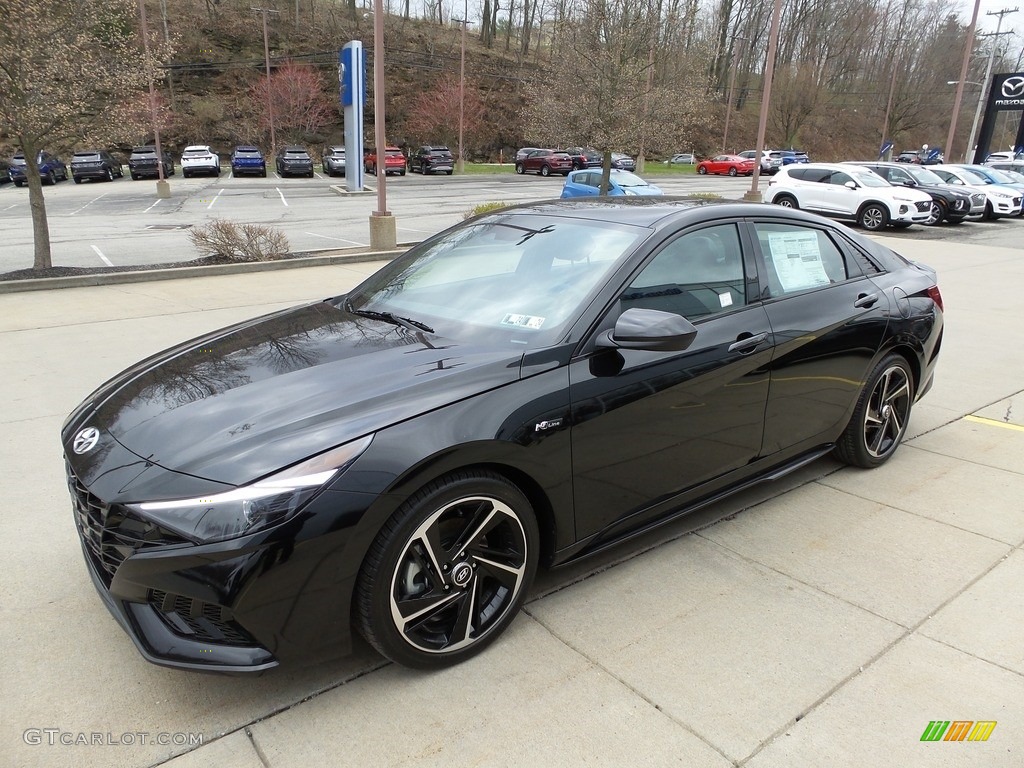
[
  {"x": 247, "y": 148},
  {"x": 196, "y": 147}
]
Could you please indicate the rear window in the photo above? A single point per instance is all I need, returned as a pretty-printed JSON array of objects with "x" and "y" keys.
[
  {"x": 247, "y": 152},
  {"x": 199, "y": 152},
  {"x": 296, "y": 153},
  {"x": 394, "y": 152},
  {"x": 144, "y": 151},
  {"x": 86, "y": 156}
]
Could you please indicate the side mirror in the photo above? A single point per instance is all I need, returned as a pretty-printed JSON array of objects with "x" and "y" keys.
[
  {"x": 649, "y": 329},
  {"x": 850, "y": 185}
]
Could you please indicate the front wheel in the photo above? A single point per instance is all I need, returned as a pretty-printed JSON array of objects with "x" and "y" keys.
[
  {"x": 545, "y": 170},
  {"x": 448, "y": 571},
  {"x": 786, "y": 201},
  {"x": 732, "y": 170},
  {"x": 873, "y": 217},
  {"x": 935, "y": 214},
  {"x": 520, "y": 169},
  {"x": 702, "y": 170},
  {"x": 110, "y": 175},
  {"x": 881, "y": 416}
]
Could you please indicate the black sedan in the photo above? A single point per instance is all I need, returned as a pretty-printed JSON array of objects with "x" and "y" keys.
[{"x": 522, "y": 390}]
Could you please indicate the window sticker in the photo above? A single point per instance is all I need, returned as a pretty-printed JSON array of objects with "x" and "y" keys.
[
  {"x": 523, "y": 321},
  {"x": 725, "y": 299},
  {"x": 797, "y": 259}
]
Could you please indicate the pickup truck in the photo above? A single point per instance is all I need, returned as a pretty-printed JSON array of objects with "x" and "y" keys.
[
  {"x": 199, "y": 159},
  {"x": 246, "y": 159},
  {"x": 394, "y": 161}
]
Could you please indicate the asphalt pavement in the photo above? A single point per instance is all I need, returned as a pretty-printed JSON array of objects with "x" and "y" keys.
[{"x": 825, "y": 619}]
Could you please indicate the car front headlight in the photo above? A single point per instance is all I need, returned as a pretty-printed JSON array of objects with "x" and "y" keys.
[
  {"x": 1004, "y": 195},
  {"x": 250, "y": 508}
]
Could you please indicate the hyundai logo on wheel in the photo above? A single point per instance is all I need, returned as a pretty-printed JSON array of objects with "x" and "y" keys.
[{"x": 86, "y": 440}]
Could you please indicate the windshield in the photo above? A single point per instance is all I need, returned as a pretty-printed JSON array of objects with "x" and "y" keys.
[
  {"x": 629, "y": 180},
  {"x": 924, "y": 176},
  {"x": 1016, "y": 177},
  {"x": 999, "y": 177},
  {"x": 507, "y": 279},
  {"x": 969, "y": 177}
]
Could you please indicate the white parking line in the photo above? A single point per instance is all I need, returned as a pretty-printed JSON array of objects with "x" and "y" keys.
[
  {"x": 339, "y": 239},
  {"x": 282, "y": 196},
  {"x": 154, "y": 205},
  {"x": 214, "y": 200},
  {"x": 11, "y": 206},
  {"x": 424, "y": 231},
  {"x": 317, "y": 175},
  {"x": 87, "y": 204},
  {"x": 100, "y": 254}
]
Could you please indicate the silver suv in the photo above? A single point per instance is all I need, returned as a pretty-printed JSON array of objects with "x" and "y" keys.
[
  {"x": 848, "y": 192},
  {"x": 334, "y": 161}
]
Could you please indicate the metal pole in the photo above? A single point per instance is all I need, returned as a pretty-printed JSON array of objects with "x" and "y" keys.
[
  {"x": 378, "y": 108},
  {"x": 461, "y": 163},
  {"x": 969, "y": 155},
  {"x": 266, "y": 58},
  {"x": 647, "y": 103},
  {"x": 766, "y": 94},
  {"x": 963, "y": 77},
  {"x": 888, "y": 105},
  {"x": 162, "y": 188}
]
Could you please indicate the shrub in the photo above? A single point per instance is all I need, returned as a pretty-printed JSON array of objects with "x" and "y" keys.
[
  {"x": 484, "y": 208},
  {"x": 239, "y": 242}
]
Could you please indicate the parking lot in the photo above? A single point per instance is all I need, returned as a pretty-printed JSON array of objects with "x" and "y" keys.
[
  {"x": 825, "y": 619},
  {"x": 123, "y": 223}
]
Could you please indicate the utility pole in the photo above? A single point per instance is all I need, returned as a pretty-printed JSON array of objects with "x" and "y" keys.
[
  {"x": 969, "y": 155},
  {"x": 766, "y": 94},
  {"x": 163, "y": 189},
  {"x": 383, "y": 229},
  {"x": 266, "y": 58},
  {"x": 647, "y": 102},
  {"x": 962, "y": 79},
  {"x": 460, "y": 163}
]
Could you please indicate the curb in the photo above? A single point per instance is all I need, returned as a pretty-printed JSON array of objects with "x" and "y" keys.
[{"x": 178, "y": 273}]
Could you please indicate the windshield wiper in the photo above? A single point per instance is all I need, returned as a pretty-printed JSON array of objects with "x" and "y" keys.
[{"x": 390, "y": 317}]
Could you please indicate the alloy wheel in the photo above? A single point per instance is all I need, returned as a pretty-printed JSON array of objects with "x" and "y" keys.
[
  {"x": 458, "y": 574},
  {"x": 935, "y": 214},
  {"x": 886, "y": 415}
]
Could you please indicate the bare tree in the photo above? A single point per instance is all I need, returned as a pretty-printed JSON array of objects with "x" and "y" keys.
[{"x": 62, "y": 65}]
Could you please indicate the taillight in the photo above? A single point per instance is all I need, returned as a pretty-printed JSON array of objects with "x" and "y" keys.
[{"x": 936, "y": 296}]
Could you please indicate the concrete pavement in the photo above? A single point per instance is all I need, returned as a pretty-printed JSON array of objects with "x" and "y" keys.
[{"x": 822, "y": 620}]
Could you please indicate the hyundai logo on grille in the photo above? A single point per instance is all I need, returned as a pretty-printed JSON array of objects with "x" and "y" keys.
[
  {"x": 86, "y": 440},
  {"x": 1013, "y": 87}
]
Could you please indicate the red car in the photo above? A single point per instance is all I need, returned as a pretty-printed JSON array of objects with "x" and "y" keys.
[
  {"x": 730, "y": 164},
  {"x": 394, "y": 161},
  {"x": 545, "y": 162}
]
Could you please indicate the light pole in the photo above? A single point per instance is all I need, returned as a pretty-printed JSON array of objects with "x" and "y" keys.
[
  {"x": 766, "y": 93},
  {"x": 266, "y": 58},
  {"x": 460, "y": 163},
  {"x": 977, "y": 112},
  {"x": 163, "y": 189},
  {"x": 963, "y": 76},
  {"x": 969, "y": 156},
  {"x": 383, "y": 232}
]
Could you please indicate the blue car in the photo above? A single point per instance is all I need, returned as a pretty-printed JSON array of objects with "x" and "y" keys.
[
  {"x": 51, "y": 169},
  {"x": 246, "y": 159},
  {"x": 587, "y": 183}
]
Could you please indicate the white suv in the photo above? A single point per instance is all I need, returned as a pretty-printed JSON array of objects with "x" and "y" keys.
[
  {"x": 199, "y": 159},
  {"x": 848, "y": 192}
]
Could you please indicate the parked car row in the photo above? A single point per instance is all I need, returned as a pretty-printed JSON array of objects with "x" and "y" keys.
[{"x": 877, "y": 195}]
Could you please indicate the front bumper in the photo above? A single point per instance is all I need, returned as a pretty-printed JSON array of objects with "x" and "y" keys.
[
  {"x": 254, "y": 168},
  {"x": 89, "y": 173},
  {"x": 911, "y": 212}
]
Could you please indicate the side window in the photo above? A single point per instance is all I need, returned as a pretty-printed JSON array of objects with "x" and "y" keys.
[
  {"x": 798, "y": 258},
  {"x": 896, "y": 175},
  {"x": 839, "y": 178},
  {"x": 695, "y": 275}
]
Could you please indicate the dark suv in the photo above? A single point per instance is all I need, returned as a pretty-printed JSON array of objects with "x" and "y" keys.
[
  {"x": 294, "y": 161},
  {"x": 142, "y": 164},
  {"x": 51, "y": 168},
  {"x": 948, "y": 204},
  {"x": 248, "y": 159},
  {"x": 583, "y": 157},
  {"x": 432, "y": 160},
  {"x": 95, "y": 164}
]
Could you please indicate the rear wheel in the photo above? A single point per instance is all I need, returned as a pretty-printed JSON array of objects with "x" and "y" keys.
[
  {"x": 881, "y": 416},
  {"x": 110, "y": 175},
  {"x": 51, "y": 178},
  {"x": 786, "y": 201},
  {"x": 873, "y": 217},
  {"x": 449, "y": 571},
  {"x": 423, "y": 169},
  {"x": 545, "y": 170}
]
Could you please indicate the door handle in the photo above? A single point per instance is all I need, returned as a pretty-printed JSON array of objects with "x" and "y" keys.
[
  {"x": 747, "y": 344},
  {"x": 866, "y": 300}
]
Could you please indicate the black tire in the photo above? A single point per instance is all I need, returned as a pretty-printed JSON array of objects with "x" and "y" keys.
[
  {"x": 19, "y": 183},
  {"x": 77, "y": 179},
  {"x": 873, "y": 217},
  {"x": 449, "y": 172},
  {"x": 402, "y": 172},
  {"x": 901, "y": 224},
  {"x": 263, "y": 173},
  {"x": 520, "y": 169},
  {"x": 881, "y": 416},
  {"x": 51, "y": 178},
  {"x": 545, "y": 170},
  {"x": 460, "y": 555},
  {"x": 787, "y": 201},
  {"x": 110, "y": 174},
  {"x": 732, "y": 170},
  {"x": 936, "y": 214},
  {"x": 135, "y": 177},
  {"x": 990, "y": 214},
  {"x": 702, "y": 170}
]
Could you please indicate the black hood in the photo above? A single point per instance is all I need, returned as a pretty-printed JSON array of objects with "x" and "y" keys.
[{"x": 246, "y": 401}]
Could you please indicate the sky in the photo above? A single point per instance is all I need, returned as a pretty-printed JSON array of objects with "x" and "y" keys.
[{"x": 1013, "y": 21}]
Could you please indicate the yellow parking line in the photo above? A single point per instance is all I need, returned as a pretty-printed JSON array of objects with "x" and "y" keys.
[{"x": 994, "y": 423}]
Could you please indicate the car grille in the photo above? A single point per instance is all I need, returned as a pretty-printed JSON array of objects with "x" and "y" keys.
[
  {"x": 110, "y": 533},
  {"x": 197, "y": 620},
  {"x": 923, "y": 207},
  {"x": 978, "y": 198}
]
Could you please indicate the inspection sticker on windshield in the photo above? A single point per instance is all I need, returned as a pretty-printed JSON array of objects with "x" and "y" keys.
[
  {"x": 523, "y": 321},
  {"x": 797, "y": 260}
]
